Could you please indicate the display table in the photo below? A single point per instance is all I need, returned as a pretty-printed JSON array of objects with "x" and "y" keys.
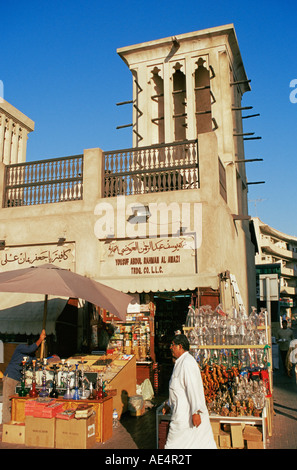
[
  {"x": 117, "y": 370},
  {"x": 103, "y": 408}
]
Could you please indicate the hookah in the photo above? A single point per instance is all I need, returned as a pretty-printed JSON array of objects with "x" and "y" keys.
[
  {"x": 23, "y": 391},
  {"x": 99, "y": 388},
  {"x": 62, "y": 378},
  {"x": 43, "y": 392},
  {"x": 83, "y": 379},
  {"x": 54, "y": 393},
  {"x": 68, "y": 394},
  {"x": 103, "y": 388},
  {"x": 33, "y": 392},
  {"x": 76, "y": 394}
]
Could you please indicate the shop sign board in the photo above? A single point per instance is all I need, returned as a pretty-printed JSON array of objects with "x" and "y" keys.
[
  {"x": 36, "y": 255},
  {"x": 151, "y": 257}
]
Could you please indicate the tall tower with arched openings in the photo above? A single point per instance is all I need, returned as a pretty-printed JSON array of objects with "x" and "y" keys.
[
  {"x": 187, "y": 85},
  {"x": 189, "y": 88}
]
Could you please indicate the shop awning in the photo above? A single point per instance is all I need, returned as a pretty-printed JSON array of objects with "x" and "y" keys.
[
  {"x": 161, "y": 284},
  {"x": 23, "y": 313}
]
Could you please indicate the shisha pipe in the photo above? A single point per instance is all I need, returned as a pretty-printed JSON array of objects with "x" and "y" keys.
[
  {"x": 23, "y": 392},
  {"x": 76, "y": 394},
  {"x": 99, "y": 388},
  {"x": 67, "y": 394},
  {"x": 83, "y": 379},
  {"x": 62, "y": 378},
  {"x": 33, "y": 392},
  {"x": 54, "y": 393},
  {"x": 43, "y": 392}
]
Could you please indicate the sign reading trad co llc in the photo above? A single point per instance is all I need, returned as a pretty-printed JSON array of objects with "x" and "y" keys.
[{"x": 165, "y": 256}]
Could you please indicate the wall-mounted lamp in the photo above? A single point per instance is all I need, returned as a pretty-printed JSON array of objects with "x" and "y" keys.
[
  {"x": 139, "y": 214},
  {"x": 2, "y": 244}
]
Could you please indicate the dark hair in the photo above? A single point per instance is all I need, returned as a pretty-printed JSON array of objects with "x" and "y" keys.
[{"x": 182, "y": 340}]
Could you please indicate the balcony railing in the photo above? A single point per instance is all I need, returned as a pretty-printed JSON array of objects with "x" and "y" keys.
[
  {"x": 142, "y": 170},
  {"x": 42, "y": 182},
  {"x": 166, "y": 167}
]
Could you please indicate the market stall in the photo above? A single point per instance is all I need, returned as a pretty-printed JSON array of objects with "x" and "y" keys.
[
  {"x": 135, "y": 335},
  {"x": 71, "y": 389},
  {"x": 234, "y": 355}
]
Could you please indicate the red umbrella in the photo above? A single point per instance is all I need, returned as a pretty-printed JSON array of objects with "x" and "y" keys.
[{"x": 52, "y": 280}]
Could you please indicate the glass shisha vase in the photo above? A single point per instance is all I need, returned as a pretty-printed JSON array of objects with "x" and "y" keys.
[
  {"x": 68, "y": 394},
  {"x": 33, "y": 392},
  {"x": 99, "y": 389},
  {"x": 62, "y": 378},
  {"x": 76, "y": 394},
  {"x": 43, "y": 392},
  {"x": 54, "y": 392},
  {"x": 23, "y": 392}
]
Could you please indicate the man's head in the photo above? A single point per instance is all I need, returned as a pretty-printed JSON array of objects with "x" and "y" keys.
[
  {"x": 179, "y": 345},
  {"x": 285, "y": 324}
]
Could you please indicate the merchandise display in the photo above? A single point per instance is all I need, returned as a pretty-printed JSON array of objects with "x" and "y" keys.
[
  {"x": 234, "y": 393},
  {"x": 136, "y": 336},
  {"x": 133, "y": 337},
  {"x": 211, "y": 327},
  {"x": 77, "y": 378},
  {"x": 234, "y": 355},
  {"x": 73, "y": 389}
]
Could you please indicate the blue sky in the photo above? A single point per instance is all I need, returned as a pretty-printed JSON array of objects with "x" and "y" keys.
[{"x": 60, "y": 67}]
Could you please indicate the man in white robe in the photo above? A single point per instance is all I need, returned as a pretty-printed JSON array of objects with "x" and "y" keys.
[{"x": 190, "y": 426}]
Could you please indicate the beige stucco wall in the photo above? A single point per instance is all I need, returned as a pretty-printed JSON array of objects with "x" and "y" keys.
[{"x": 224, "y": 242}]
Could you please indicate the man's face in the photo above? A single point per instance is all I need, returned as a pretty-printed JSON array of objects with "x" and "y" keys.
[{"x": 176, "y": 350}]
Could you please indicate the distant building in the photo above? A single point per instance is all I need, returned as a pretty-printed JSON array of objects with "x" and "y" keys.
[{"x": 277, "y": 254}]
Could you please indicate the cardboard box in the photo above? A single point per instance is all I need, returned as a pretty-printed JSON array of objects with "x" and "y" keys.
[
  {"x": 14, "y": 432},
  {"x": 75, "y": 433},
  {"x": 255, "y": 445},
  {"x": 224, "y": 440},
  {"x": 40, "y": 432},
  {"x": 216, "y": 438},
  {"x": 252, "y": 433},
  {"x": 216, "y": 426},
  {"x": 236, "y": 436}
]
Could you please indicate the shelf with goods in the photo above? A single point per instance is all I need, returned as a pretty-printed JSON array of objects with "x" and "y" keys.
[
  {"x": 132, "y": 338},
  {"x": 136, "y": 336},
  {"x": 234, "y": 355}
]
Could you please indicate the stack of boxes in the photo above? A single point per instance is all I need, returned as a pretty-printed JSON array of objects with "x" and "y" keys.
[
  {"x": 237, "y": 436},
  {"x": 48, "y": 425}
]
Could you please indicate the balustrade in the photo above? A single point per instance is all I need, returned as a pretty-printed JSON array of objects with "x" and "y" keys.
[
  {"x": 45, "y": 181},
  {"x": 159, "y": 168}
]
